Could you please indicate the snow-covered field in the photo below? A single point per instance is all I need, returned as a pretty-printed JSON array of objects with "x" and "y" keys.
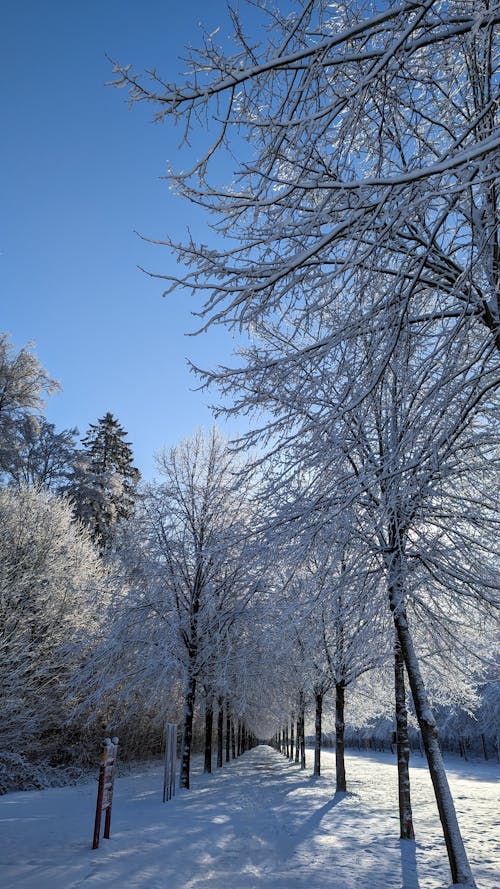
[{"x": 259, "y": 823}]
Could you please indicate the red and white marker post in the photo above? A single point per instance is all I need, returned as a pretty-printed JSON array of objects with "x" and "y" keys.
[{"x": 105, "y": 788}]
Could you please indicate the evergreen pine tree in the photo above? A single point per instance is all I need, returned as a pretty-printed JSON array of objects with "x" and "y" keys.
[{"x": 105, "y": 479}]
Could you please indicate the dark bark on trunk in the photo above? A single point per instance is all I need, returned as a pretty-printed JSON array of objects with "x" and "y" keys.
[
  {"x": 485, "y": 748},
  {"x": 187, "y": 732},
  {"x": 318, "y": 698},
  {"x": 297, "y": 739},
  {"x": 287, "y": 744},
  {"x": 339, "y": 737},
  {"x": 220, "y": 732},
  {"x": 238, "y": 748},
  {"x": 228, "y": 734},
  {"x": 406, "y": 831},
  {"x": 302, "y": 733},
  {"x": 233, "y": 740},
  {"x": 459, "y": 864},
  {"x": 292, "y": 736},
  {"x": 209, "y": 724}
]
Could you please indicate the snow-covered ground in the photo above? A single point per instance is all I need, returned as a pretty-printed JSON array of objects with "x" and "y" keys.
[{"x": 259, "y": 823}]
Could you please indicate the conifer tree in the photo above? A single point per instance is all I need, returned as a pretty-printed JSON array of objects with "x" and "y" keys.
[{"x": 105, "y": 480}]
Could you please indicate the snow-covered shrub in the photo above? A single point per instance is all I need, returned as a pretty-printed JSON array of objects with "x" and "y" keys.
[
  {"x": 50, "y": 581},
  {"x": 19, "y": 773}
]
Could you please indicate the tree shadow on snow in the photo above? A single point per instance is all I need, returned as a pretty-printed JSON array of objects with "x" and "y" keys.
[
  {"x": 314, "y": 820},
  {"x": 311, "y": 823}
]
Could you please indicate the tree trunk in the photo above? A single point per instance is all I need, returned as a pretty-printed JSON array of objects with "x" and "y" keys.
[
  {"x": 228, "y": 734},
  {"x": 187, "y": 732},
  {"x": 292, "y": 737},
  {"x": 318, "y": 697},
  {"x": 406, "y": 831},
  {"x": 287, "y": 744},
  {"x": 209, "y": 722},
  {"x": 485, "y": 747},
  {"x": 233, "y": 740},
  {"x": 297, "y": 739},
  {"x": 302, "y": 733},
  {"x": 339, "y": 737},
  {"x": 459, "y": 864},
  {"x": 220, "y": 732}
]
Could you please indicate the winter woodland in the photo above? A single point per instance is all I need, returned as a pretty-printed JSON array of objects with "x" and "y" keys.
[{"x": 333, "y": 573}]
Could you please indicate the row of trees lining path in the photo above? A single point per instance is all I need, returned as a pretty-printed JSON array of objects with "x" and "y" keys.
[
  {"x": 203, "y": 601},
  {"x": 363, "y": 271},
  {"x": 362, "y": 262}
]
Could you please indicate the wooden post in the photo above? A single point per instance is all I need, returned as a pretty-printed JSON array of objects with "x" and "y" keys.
[{"x": 105, "y": 789}]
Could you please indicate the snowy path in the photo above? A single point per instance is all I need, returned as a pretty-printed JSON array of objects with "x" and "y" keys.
[{"x": 260, "y": 823}]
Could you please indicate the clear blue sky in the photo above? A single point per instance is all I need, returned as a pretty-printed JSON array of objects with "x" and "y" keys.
[{"x": 79, "y": 173}]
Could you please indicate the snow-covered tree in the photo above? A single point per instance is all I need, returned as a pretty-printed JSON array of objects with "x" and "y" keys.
[
  {"x": 373, "y": 148},
  {"x": 410, "y": 446},
  {"x": 23, "y": 385},
  {"x": 131, "y": 680},
  {"x": 336, "y": 630},
  {"x": 23, "y": 382},
  {"x": 414, "y": 462},
  {"x": 104, "y": 482},
  {"x": 364, "y": 206},
  {"x": 50, "y": 581},
  {"x": 33, "y": 453},
  {"x": 198, "y": 516}
]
